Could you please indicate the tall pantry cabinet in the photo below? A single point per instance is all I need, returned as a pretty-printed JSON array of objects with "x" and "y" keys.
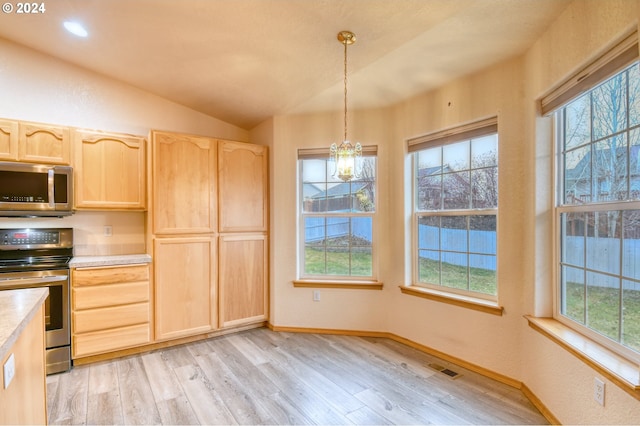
[
  {"x": 243, "y": 260},
  {"x": 208, "y": 273}
]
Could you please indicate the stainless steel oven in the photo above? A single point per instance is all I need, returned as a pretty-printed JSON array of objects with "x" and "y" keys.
[{"x": 35, "y": 257}]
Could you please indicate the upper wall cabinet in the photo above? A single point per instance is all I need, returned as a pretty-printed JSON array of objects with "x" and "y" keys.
[
  {"x": 243, "y": 187},
  {"x": 34, "y": 142},
  {"x": 44, "y": 143},
  {"x": 184, "y": 184},
  {"x": 8, "y": 140},
  {"x": 110, "y": 171}
]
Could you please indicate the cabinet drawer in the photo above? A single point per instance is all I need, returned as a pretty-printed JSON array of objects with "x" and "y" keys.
[
  {"x": 110, "y": 295},
  {"x": 110, "y": 340},
  {"x": 112, "y": 317},
  {"x": 110, "y": 275}
]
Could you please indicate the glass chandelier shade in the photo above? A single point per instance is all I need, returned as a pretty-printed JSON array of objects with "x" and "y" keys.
[{"x": 346, "y": 156}]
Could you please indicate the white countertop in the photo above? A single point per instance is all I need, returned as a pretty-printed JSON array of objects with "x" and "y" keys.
[
  {"x": 124, "y": 259},
  {"x": 17, "y": 309}
]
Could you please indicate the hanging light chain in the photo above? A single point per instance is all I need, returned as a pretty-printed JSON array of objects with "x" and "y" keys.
[{"x": 345, "y": 88}]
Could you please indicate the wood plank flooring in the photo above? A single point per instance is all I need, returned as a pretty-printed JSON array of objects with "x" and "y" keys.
[{"x": 265, "y": 377}]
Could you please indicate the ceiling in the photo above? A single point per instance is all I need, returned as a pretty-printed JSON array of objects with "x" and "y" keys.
[{"x": 243, "y": 61}]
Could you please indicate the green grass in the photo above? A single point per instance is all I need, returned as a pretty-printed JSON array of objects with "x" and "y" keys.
[
  {"x": 455, "y": 276},
  {"x": 602, "y": 312},
  {"x": 337, "y": 262}
]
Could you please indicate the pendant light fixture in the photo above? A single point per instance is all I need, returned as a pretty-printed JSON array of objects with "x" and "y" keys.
[{"x": 346, "y": 155}]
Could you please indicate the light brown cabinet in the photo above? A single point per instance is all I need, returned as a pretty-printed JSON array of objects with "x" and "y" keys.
[
  {"x": 110, "y": 171},
  {"x": 243, "y": 185},
  {"x": 110, "y": 308},
  {"x": 243, "y": 279},
  {"x": 24, "y": 401},
  {"x": 34, "y": 142},
  {"x": 184, "y": 184},
  {"x": 8, "y": 140},
  {"x": 198, "y": 181},
  {"x": 185, "y": 278}
]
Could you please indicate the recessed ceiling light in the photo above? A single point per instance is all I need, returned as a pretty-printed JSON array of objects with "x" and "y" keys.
[{"x": 75, "y": 28}]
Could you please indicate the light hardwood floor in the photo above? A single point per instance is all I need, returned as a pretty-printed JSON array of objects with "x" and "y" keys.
[{"x": 265, "y": 377}]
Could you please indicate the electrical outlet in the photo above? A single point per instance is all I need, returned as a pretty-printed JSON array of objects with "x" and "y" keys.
[
  {"x": 316, "y": 295},
  {"x": 598, "y": 391},
  {"x": 108, "y": 230},
  {"x": 9, "y": 370}
]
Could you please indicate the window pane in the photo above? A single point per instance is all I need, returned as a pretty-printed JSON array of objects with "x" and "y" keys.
[
  {"x": 314, "y": 248},
  {"x": 456, "y": 156},
  {"x": 484, "y": 151},
  {"x": 631, "y": 245},
  {"x": 314, "y": 170},
  {"x": 610, "y": 107},
  {"x": 364, "y": 196},
  {"x": 634, "y": 95},
  {"x": 573, "y": 241},
  {"x": 315, "y": 199},
  {"x": 610, "y": 169},
  {"x": 577, "y": 176},
  {"x": 578, "y": 122},
  {"x": 484, "y": 188},
  {"x": 429, "y": 266},
  {"x": 337, "y": 261},
  {"x": 482, "y": 234},
  {"x": 454, "y": 233},
  {"x": 631, "y": 314},
  {"x": 573, "y": 294},
  {"x": 455, "y": 270},
  {"x": 429, "y": 189},
  {"x": 603, "y": 241},
  {"x": 457, "y": 190},
  {"x": 482, "y": 274},
  {"x": 429, "y": 232},
  {"x": 603, "y": 304},
  {"x": 430, "y": 159},
  {"x": 634, "y": 164}
]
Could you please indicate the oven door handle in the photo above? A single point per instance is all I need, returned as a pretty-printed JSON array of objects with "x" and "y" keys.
[{"x": 31, "y": 282}]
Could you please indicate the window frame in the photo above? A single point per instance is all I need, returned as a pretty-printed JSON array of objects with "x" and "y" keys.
[
  {"x": 334, "y": 280},
  {"x": 560, "y": 207},
  {"x": 440, "y": 139}
]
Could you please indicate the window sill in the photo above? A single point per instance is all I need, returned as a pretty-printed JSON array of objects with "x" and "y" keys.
[
  {"x": 454, "y": 299},
  {"x": 359, "y": 285},
  {"x": 625, "y": 374}
]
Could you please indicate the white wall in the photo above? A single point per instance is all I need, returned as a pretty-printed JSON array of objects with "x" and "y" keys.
[{"x": 39, "y": 88}]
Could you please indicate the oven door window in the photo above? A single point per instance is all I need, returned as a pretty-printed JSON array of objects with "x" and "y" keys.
[{"x": 53, "y": 308}]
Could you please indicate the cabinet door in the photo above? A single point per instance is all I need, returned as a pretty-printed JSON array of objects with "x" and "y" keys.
[
  {"x": 243, "y": 279},
  {"x": 184, "y": 286},
  {"x": 110, "y": 171},
  {"x": 183, "y": 184},
  {"x": 243, "y": 187},
  {"x": 44, "y": 143},
  {"x": 8, "y": 140}
]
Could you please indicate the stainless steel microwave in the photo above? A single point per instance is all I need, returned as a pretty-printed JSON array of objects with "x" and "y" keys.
[{"x": 35, "y": 190}]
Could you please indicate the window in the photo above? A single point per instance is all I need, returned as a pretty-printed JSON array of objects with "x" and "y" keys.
[
  {"x": 336, "y": 218},
  {"x": 598, "y": 212},
  {"x": 455, "y": 188}
]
